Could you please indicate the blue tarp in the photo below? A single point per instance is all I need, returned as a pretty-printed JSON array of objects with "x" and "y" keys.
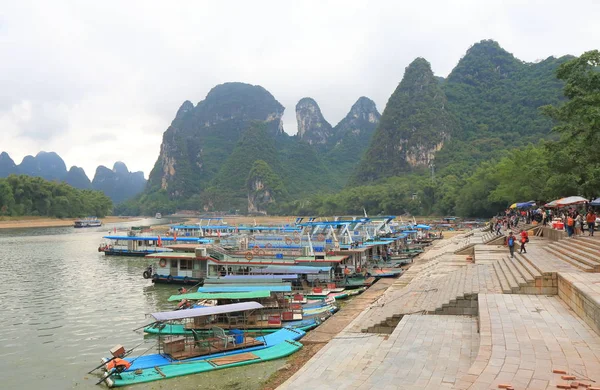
[
  {"x": 525, "y": 205},
  {"x": 155, "y": 238},
  {"x": 229, "y": 288}
]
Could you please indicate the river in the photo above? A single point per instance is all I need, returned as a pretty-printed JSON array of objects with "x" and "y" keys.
[{"x": 63, "y": 305}]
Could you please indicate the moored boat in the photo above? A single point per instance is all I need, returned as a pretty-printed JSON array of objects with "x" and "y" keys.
[
  {"x": 87, "y": 222},
  {"x": 200, "y": 352}
]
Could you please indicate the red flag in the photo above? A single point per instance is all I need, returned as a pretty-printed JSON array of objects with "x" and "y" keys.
[
  {"x": 115, "y": 229},
  {"x": 175, "y": 235},
  {"x": 219, "y": 233},
  {"x": 159, "y": 242}
]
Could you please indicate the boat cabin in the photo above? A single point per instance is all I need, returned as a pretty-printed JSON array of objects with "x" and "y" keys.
[
  {"x": 213, "y": 338},
  {"x": 276, "y": 308},
  {"x": 134, "y": 245}
]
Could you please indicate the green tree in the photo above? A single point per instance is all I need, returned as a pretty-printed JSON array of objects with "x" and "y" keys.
[{"x": 579, "y": 123}]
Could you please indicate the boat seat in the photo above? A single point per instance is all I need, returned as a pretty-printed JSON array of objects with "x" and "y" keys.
[
  {"x": 219, "y": 333},
  {"x": 199, "y": 341}
]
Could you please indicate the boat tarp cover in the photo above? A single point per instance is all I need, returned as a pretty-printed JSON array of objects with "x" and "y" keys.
[
  {"x": 259, "y": 277},
  {"x": 244, "y": 281},
  {"x": 205, "y": 311},
  {"x": 155, "y": 238},
  {"x": 213, "y": 288},
  {"x": 287, "y": 269},
  {"x": 234, "y": 295}
]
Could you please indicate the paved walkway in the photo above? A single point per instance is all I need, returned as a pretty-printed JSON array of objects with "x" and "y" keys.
[
  {"x": 522, "y": 338},
  {"x": 423, "y": 352}
]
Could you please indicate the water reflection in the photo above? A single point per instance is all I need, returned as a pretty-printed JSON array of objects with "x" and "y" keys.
[{"x": 63, "y": 305}]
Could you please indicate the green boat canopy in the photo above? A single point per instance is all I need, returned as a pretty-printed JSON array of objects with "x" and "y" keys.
[{"x": 222, "y": 295}]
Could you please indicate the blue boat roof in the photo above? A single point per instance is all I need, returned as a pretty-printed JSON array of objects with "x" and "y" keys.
[
  {"x": 267, "y": 276},
  {"x": 155, "y": 238},
  {"x": 250, "y": 287},
  {"x": 202, "y": 227},
  {"x": 290, "y": 269}
]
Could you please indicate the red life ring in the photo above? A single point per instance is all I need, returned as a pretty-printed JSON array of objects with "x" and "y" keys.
[
  {"x": 321, "y": 237},
  {"x": 269, "y": 245},
  {"x": 249, "y": 256},
  {"x": 163, "y": 263},
  {"x": 288, "y": 240},
  {"x": 297, "y": 240}
]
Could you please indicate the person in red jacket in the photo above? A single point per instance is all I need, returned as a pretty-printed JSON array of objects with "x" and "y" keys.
[{"x": 524, "y": 240}]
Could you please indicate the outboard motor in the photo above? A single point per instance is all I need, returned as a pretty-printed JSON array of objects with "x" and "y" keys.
[{"x": 148, "y": 272}]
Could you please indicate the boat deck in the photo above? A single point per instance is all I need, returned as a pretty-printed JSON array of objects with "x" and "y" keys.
[
  {"x": 262, "y": 324},
  {"x": 183, "y": 348}
]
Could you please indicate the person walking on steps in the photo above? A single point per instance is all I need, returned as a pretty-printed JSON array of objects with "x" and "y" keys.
[
  {"x": 510, "y": 241},
  {"x": 524, "y": 240},
  {"x": 590, "y": 218}
]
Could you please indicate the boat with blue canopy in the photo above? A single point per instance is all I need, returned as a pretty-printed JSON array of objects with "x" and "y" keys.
[
  {"x": 140, "y": 246},
  {"x": 179, "y": 355}
]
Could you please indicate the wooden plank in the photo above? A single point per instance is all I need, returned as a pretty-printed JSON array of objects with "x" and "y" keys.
[{"x": 242, "y": 357}]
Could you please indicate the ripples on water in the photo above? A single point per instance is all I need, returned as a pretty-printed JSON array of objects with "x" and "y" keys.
[{"x": 63, "y": 305}]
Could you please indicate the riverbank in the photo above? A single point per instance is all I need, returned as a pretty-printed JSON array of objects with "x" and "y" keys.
[{"x": 39, "y": 222}]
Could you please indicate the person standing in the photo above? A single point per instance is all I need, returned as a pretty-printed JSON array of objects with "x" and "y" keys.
[
  {"x": 570, "y": 224},
  {"x": 590, "y": 218},
  {"x": 524, "y": 240},
  {"x": 544, "y": 218},
  {"x": 510, "y": 241},
  {"x": 578, "y": 224}
]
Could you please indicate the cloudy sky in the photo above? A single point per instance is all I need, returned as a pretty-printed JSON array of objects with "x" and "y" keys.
[{"x": 101, "y": 81}]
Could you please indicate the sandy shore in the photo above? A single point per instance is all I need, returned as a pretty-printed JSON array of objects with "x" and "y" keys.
[{"x": 33, "y": 222}]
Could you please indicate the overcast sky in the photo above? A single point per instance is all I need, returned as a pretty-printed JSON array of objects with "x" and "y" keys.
[{"x": 100, "y": 81}]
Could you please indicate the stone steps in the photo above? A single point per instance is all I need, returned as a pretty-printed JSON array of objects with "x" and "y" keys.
[
  {"x": 528, "y": 266},
  {"x": 504, "y": 283},
  {"x": 404, "y": 359},
  {"x": 590, "y": 262},
  {"x": 583, "y": 248},
  {"x": 590, "y": 242},
  {"x": 568, "y": 259},
  {"x": 523, "y": 338}
]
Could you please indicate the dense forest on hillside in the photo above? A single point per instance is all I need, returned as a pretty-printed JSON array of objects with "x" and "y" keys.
[
  {"x": 33, "y": 196},
  {"x": 568, "y": 163},
  {"x": 469, "y": 144}
]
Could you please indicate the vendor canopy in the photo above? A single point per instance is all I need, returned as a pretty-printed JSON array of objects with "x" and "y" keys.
[
  {"x": 205, "y": 311},
  {"x": 595, "y": 202},
  {"x": 568, "y": 201},
  {"x": 523, "y": 205}
]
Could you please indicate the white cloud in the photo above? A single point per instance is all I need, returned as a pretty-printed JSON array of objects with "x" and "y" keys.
[{"x": 99, "y": 82}]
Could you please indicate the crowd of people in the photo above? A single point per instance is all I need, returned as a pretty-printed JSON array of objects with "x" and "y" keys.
[{"x": 574, "y": 220}]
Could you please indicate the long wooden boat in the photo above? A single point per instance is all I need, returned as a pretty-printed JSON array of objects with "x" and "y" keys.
[
  {"x": 182, "y": 355},
  {"x": 278, "y": 351}
]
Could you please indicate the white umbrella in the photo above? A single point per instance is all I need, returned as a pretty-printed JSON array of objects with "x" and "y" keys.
[{"x": 570, "y": 201}]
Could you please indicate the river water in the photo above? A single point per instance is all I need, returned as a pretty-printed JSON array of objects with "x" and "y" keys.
[{"x": 63, "y": 305}]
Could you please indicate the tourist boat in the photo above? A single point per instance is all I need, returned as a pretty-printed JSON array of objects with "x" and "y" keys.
[
  {"x": 87, "y": 222},
  {"x": 277, "y": 312},
  {"x": 140, "y": 245},
  {"x": 180, "y": 355}
]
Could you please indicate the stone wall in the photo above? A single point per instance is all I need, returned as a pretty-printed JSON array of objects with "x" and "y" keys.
[{"x": 581, "y": 298}]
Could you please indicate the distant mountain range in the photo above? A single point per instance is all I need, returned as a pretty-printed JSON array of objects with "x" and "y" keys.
[
  {"x": 119, "y": 183},
  {"x": 230, "y": 152}
]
